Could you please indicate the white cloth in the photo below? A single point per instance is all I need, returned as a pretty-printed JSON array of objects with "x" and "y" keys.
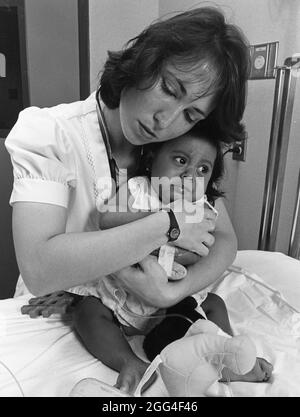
[
  {"x": 145, "y": 197},
  {"x": 127, "y": 308},
  {"x": 59, "y": 157}
]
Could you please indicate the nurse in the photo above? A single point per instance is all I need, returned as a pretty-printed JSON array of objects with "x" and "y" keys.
[{"x": 189, "y": 69}]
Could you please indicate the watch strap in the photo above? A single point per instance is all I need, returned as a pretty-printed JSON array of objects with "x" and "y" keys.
[{"x": 174, "y": 230}]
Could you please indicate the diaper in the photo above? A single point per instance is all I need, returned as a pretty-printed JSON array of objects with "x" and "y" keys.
[{"x": 127, "y": 308}]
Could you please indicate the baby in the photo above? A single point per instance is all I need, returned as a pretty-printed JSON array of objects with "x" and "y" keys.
[{"x": 108, "y": 311}]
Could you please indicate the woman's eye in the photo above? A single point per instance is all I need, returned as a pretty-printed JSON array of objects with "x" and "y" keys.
[
  {"x": 167, "y": 90},
  {"x": 180, "y": 160},
  {"x": 188, "y": 117},
  {"x": 204, "y": 169}
]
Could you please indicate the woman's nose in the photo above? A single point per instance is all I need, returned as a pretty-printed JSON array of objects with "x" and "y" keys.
[{"x": 164, "y": 118}]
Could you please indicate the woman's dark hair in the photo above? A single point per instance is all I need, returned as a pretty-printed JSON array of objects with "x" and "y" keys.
[
  {"x": 213, "y": 187},
  {"x": 191, "y": 41}
]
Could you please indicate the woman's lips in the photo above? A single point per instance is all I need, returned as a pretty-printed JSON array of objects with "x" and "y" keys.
[{"x": 146, "y": 131}]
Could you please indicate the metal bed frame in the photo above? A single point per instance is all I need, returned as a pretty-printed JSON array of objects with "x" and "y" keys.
[{"x": 286, "y": 77}]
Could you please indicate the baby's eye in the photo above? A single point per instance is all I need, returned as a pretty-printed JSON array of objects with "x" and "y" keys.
[
  {"x": 180, "y": 160},
  {"x": 203, "y": 169}
]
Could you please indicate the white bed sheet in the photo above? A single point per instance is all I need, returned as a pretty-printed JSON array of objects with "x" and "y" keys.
[{"x": 47, "y": 359}]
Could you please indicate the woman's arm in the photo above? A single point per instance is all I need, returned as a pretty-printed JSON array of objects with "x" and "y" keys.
[
  {"x": 50, "y": 259},
  {"x": 209, "y": 268}
]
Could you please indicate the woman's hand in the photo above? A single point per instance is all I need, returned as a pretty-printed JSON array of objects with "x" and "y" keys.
[
  {"x": 59, "y": 302},
  {"x": 196, "y": 236},
  {"x": 148, "y": 281}
]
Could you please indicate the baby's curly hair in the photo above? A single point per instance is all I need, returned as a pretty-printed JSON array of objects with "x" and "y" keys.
[{"x": 198, "y": 41}]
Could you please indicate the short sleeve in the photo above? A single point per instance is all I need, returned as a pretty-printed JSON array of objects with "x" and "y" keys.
[{"x": 42, "y": 159}]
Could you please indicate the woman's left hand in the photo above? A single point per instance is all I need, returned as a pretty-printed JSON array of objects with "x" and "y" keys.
[{"x": 59, "y": 302}]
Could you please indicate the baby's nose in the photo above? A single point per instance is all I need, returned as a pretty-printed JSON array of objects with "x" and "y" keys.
[{"x": 189, "y": 172}]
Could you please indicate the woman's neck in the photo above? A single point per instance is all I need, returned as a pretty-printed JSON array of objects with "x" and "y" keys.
[{"x": 120, "y": 146}]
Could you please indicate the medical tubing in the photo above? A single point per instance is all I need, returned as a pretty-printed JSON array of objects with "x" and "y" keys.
[
  {"x": 238, "y": 269},
  {"x": 14, "y": 378},
  {"x": 156, "y": 316},
  {"x": 29, "y": 363}
]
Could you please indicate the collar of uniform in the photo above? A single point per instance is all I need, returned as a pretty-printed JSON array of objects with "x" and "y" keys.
[{"x": 89, "y": 104}]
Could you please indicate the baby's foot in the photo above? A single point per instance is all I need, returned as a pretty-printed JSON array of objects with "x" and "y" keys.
[
  {"x": 261, "y": 372},
  {"x": 130, "y": 376}
]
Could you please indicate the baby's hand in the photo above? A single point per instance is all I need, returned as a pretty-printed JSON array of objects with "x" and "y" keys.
[
  {"x": 196, "y": 236},
  {"x": 185, "y": 257}
]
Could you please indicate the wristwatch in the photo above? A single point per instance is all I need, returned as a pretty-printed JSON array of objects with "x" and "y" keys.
[{"x": 174, "y": 231}]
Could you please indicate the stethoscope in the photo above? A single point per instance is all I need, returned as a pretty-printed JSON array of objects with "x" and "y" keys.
[{"x": 114, "y": 170}]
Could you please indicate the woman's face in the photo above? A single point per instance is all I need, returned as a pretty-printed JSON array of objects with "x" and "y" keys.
[
  {"x": 184, "y": 161},
  {"x": 167, "y": 110}
]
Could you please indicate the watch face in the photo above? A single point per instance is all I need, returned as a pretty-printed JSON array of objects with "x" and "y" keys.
[{"x": 174, "y": 233}]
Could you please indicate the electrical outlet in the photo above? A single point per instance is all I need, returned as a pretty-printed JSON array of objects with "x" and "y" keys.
[{"x": 240, "y": 150}]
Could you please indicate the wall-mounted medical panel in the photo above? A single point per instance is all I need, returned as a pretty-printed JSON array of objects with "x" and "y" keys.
[{"x": 263, "y": 60}]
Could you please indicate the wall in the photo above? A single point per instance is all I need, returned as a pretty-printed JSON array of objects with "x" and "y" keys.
[
  {"x": 112, "y": 24},
  {"x": 274, "y": 20},
  {"x": 52, "y": 51},
  {"x": 53, "y": 72},
  {"x": 261, "y": 21},
  {"x": 8, "y": 266}
]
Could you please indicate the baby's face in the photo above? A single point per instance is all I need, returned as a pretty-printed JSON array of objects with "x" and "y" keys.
[{"x": 184, "y": 161}]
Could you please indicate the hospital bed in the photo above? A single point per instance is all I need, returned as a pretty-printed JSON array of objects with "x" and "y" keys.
[{"x": 43, "y": 357}]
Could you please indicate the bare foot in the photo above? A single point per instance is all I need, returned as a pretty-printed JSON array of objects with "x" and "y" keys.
[
  {"x": 131, "y": 374},
  {"x": 261, "y": 372}
]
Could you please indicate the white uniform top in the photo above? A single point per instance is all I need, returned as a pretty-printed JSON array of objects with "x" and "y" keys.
[{"x": 59, "y": 157}]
